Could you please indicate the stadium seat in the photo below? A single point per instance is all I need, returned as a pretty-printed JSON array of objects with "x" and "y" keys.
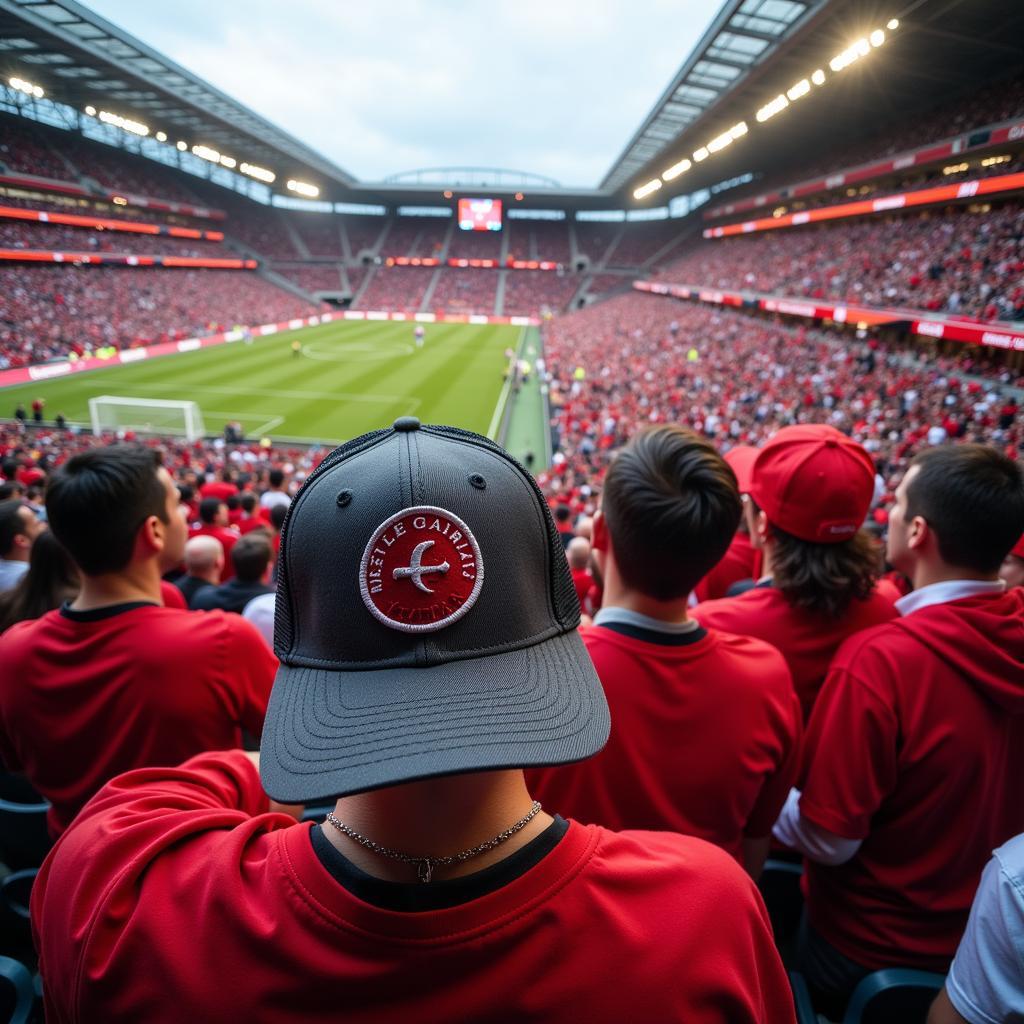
[
  {"x": 895, "y": 995},
  {"x": 15, "y": 929},
  {"x": 24, "y": 838},
  {"x": 780, "y": 888},
  {"x": 16, "y": 992}
]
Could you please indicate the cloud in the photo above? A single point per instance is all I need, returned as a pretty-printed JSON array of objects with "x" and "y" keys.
[{"x": 557, "y": 87}]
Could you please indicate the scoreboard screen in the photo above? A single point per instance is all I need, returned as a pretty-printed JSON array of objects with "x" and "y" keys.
[{"x": 480, "y": 214}]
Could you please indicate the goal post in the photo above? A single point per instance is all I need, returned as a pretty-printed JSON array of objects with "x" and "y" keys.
[{"x": 146, "y": 415}]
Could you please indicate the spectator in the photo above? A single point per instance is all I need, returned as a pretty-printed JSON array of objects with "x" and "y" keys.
[
  {"x": 915, "y": 750},
  {"x": 251, "y": 556},
  {"x": 213, "y": 522},
  {"x": 115, "y": 680},
  {"x": 313, "y": 913},
  {"x": 204, "y": 562},
  {"x": 223, "y": 488},
  {"x": 260, "y": 612},
  {"x": 251, "y": 519},
  {"x": 563, "y": 523},
  {"x": 19, "y": 528},
  {"x": 578, "y": 554},
  {"x": 1012, "y": 572},
  {"x": 51, "y": 580},
  {"x": 705, "y": 725},
  {"x": 277, "y": 492},
  {"x": 810, "y": 491},
  {"x": 986, "y": 981},
  {"x": 741, "y": 564},
  {"x": 37, "y": 410}
]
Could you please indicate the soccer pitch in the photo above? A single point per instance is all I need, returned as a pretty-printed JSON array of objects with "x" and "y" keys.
[{"x": 350, "y": 377}]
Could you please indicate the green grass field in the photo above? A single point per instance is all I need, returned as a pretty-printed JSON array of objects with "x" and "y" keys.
[{"x": 351, "y": 377}]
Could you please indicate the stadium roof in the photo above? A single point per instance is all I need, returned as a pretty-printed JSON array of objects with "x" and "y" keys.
[
  {"x": 744, "y": 33},
  {"x": 83, "y": 59}
]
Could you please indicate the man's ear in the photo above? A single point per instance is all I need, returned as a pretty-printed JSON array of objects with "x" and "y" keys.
[
  {"x": 149, "y": 541},
  {"x": 918, "y": 534}
]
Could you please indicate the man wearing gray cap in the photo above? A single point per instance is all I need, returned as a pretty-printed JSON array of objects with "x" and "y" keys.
[{"x": 426, "y": 625}]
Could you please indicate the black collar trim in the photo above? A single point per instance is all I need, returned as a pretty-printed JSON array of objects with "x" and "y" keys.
[
  {"x": 107, "y": 612},
  {"x": 657, "y": 636}
]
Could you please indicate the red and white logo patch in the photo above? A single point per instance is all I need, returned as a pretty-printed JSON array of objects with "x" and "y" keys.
[{"x": 421, "y": 570}]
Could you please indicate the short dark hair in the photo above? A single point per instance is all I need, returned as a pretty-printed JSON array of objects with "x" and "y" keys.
[
  {"x": 250, "y": 556},
  {"x": 972, "y": 496},
  {"x": 10, "y": 488},
  {"x": 277, "y": 514},
  {"x": 276, "y": 477},
  {"x": 563, "y": 513},
  {"x": 97, "y": 501},
  {"x": 248, "y": 501},
  {"x": 672, "y": 506},
  {"x": 12, "y": 524},
  {"x": 208, "y": 509}
]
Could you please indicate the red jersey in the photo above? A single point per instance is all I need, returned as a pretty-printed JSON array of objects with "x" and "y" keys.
[
  {"x": 227, "y": 537},
  {"x": 218, "y": 489},
  {"x": 741, "y": 562},
  {"x": 704, "y": 740},
  {"x": 916, "y": 747},
  {"x": 582, "y": 581},
  {"x": 85, "y": 698},
  {"x": 807, "y": 640},
  {"x": 175, "y": 896},
  {"x": 171, "y": 596}
]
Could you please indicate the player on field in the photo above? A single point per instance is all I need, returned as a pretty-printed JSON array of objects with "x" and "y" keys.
[
  {"x": 705, "y": 725},
  {"x": 114, "y": 680},
  {"x": 296, "y": 348},
  {"x": 810, "y": 489},
  {"x": 419, "y": 334},
  {"x": 427, "y": 633},
  {"x": 915, "y": 750}
]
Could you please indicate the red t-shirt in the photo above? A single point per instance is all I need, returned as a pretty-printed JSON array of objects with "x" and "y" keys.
[
  {"x": 704, "y": 740},
  {"x": 807, "y": 640},
  {"x": 582, "y": 581},
  {"x": 228, "y": 539},
  {"x": 741, "y": 562},
  {"x": 82, "y": 701},
  {"x": 176, "y": 897},
  {"x": 916, "y": 747},
  {"x": 172, "y": 596}
]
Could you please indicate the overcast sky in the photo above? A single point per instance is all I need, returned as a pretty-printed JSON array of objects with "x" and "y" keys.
[{"x": 556, "y": 87}]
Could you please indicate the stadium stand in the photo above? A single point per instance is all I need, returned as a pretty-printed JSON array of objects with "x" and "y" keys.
[
  {"x": 311, "y": 278},
  {"x": 529, "y": 292},
  {"x": 475, "y": 245},
  {"x": 397, "y": 288},
  {"x": 964, "y": 260},
  {"x": 417, "y": 236},
  {"x": 320, "y": 233},
  {"x": 465, "y": 291}
]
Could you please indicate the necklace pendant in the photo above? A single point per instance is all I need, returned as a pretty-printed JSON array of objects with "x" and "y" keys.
[{"x": 424, "y": 869}]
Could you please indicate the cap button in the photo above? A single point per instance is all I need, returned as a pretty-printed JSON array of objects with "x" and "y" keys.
[{"x": 406, "y": 423}]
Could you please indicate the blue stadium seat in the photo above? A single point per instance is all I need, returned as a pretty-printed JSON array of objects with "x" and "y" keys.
[
  {"x": 15, "y": 929},
  {"x": 24, "y": 837},
  {"x": 802, "y": 999},
  {"x": 16, "y": 992},
  {"x": 895, "y": 994},
  {"x": 780, "y": 889}
]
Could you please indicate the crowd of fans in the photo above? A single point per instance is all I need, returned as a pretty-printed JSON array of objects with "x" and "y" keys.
[
  {"x": 397, "y": 288},
  {"x": 48, "y": 312},
  {"x": 529, "y": 292},
  {"x": 416, "y": 236},
  {"x": 310, "y": 277},
  {"x": 320, "y": 233},
  {"x": 964, "y": 260},
  {"x": 19, "y": 234}
]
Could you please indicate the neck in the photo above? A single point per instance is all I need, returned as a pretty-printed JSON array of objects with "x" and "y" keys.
[
  {"x": 437, "y": 818},
  {"x": 618, "y": 595},
  {"x": 16, "y": 555},
  {"x": 133, "y": 583},
  {"x": 766, "y": 560},
  {"x": 926, "y": 574}
]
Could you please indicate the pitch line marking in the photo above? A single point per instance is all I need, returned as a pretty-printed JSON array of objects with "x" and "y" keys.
[{"x": 347, "y": 396}]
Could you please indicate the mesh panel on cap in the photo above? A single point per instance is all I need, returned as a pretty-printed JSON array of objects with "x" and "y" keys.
[{"x": 282, "y": 606}]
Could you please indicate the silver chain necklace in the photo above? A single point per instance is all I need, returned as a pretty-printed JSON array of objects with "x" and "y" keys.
[{"x": 425, "y": 865}]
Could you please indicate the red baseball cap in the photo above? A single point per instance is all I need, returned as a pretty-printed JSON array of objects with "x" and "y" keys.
[
  {"x": 1018, "y": 548},
  {"x": 741, "y": 461},
  {"x": 814, "y": 482}
]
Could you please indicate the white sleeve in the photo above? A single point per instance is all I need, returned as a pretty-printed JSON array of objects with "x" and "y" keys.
[
  {"x": 811, "y": 840},
  {"x": 986, "y": 981}
]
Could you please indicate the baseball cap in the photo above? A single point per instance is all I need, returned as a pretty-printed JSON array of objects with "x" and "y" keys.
[
  {"x": 741, "y": 461},
  {"x": 814, "y": 482},
  {"x": 425, "y": 621},
  {"x": 1018, "y": 548}
]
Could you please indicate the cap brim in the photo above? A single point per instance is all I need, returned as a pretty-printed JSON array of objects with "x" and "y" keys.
[{"x": 329, "y": 733}]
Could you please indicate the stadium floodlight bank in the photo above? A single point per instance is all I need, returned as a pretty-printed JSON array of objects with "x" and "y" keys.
[{"x": 112, "y": 413}]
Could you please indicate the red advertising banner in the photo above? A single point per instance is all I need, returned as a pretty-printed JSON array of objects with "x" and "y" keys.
[
  {"x": 124, "y": 259},
  {"x": 899, "y": 201},
  {"x": 106, "y": 224}
]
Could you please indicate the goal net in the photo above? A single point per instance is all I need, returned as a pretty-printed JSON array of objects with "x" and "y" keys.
[{"x": 111, "y": 413}]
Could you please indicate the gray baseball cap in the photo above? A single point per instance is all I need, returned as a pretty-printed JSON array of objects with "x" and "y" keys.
[{"x": 426, "y": 622}]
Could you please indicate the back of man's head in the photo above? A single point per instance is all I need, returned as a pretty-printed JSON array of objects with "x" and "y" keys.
[
  {"x": 972, "y": 497},
  {"x": 276, "y": 478},
  {"x": 11, "y": 489},
  {"x": 277, "y": 516},
  {"x": 204, "y": 556},
  {"x": 97, "y": 501},
  {"x": 578, "y": 553},
  {"x": 12, "y": 524},
  {"x": 562, "y": 515},
  {"x": 671, "y": 506},
  {"x": 209, "y": 509},
  {"x": 251, "y": 556},
  {"x": 248, "y": 501}
]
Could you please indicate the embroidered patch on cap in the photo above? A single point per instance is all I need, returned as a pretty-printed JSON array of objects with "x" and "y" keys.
[{"x": 421, "y": 570}]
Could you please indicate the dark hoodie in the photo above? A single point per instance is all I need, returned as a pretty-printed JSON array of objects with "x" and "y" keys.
[{"x": 916, "y": 747}]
